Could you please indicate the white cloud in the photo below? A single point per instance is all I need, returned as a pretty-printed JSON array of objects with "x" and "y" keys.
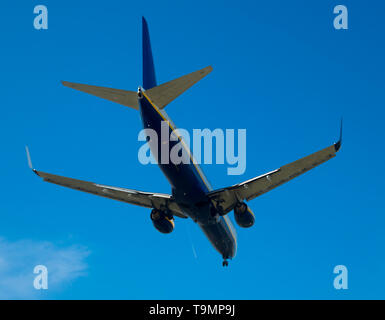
[{"x": 18, "y": 259}]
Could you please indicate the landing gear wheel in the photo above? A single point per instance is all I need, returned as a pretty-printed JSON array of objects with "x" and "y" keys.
[{"x": 225, "y": 263}]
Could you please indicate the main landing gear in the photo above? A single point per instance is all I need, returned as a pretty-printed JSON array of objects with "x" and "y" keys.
[{"x": 225, "y": 263}]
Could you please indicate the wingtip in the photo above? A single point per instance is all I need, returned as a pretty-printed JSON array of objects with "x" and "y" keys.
[
  {"x": 338, "y": 144},
  {"x": 30, "y": 165},
  {"x": 28, "y": 158}
]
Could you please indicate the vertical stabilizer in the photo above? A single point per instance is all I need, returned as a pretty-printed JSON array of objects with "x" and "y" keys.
[{"x": 149, "y": 79}]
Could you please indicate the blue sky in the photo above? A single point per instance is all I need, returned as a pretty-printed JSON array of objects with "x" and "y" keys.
[{"x": 280, "y": 70}]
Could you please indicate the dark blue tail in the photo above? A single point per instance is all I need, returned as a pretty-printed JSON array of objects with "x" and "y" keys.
[{"x": 149, "y": 79}]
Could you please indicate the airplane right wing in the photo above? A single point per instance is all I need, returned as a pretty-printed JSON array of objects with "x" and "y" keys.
[{"x": 228, "y": 197}]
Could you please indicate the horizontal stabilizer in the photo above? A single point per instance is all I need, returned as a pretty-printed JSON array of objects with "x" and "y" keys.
[
  {"x": 163, "y": 94},
  {"x": 124, "y": 97}
]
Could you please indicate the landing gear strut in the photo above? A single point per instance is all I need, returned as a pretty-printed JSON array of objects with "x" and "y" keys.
[{"x": 225, "y": 263}]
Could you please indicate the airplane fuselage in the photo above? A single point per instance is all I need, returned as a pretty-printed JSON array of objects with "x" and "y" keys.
[{"x": 188, "y": 183}]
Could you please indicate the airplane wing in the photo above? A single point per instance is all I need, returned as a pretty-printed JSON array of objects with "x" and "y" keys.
[
  {"x": 139, "y": 198},
  {"x": 250, "y": 189}
]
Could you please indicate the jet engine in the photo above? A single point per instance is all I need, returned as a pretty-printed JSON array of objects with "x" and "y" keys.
[
  {"x": 162, "y": 222},
  {"x": 243, "y": 215}
]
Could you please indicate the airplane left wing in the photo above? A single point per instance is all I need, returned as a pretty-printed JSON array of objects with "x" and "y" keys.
[
  {"x": 139, "y": 198},
  {"x": 227, "y": 198}
]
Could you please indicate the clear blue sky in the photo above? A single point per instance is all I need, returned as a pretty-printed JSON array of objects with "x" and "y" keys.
[{"x": 280, "y": 70}]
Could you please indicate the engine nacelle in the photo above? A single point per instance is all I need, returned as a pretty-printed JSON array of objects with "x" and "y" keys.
[
  {"x": 161, "y": 221},
  {"x": 243, "y": 215}
]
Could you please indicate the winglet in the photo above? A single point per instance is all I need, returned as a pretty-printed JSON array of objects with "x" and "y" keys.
[
  {"x": 338, "y": 144},
  {"x": 30, "y": 161}
]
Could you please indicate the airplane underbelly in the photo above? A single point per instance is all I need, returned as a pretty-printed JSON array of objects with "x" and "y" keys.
[
  {"x": 188, "y": 182},
  {"x": 183, "y": 177},
  {"x": 221, "y": 238}
]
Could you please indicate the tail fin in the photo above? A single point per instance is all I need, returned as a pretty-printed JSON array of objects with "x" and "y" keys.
[{"x": 149, "y": 79}]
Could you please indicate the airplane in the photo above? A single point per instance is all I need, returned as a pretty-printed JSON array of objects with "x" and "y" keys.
[{"x": 191, "y": 194}]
